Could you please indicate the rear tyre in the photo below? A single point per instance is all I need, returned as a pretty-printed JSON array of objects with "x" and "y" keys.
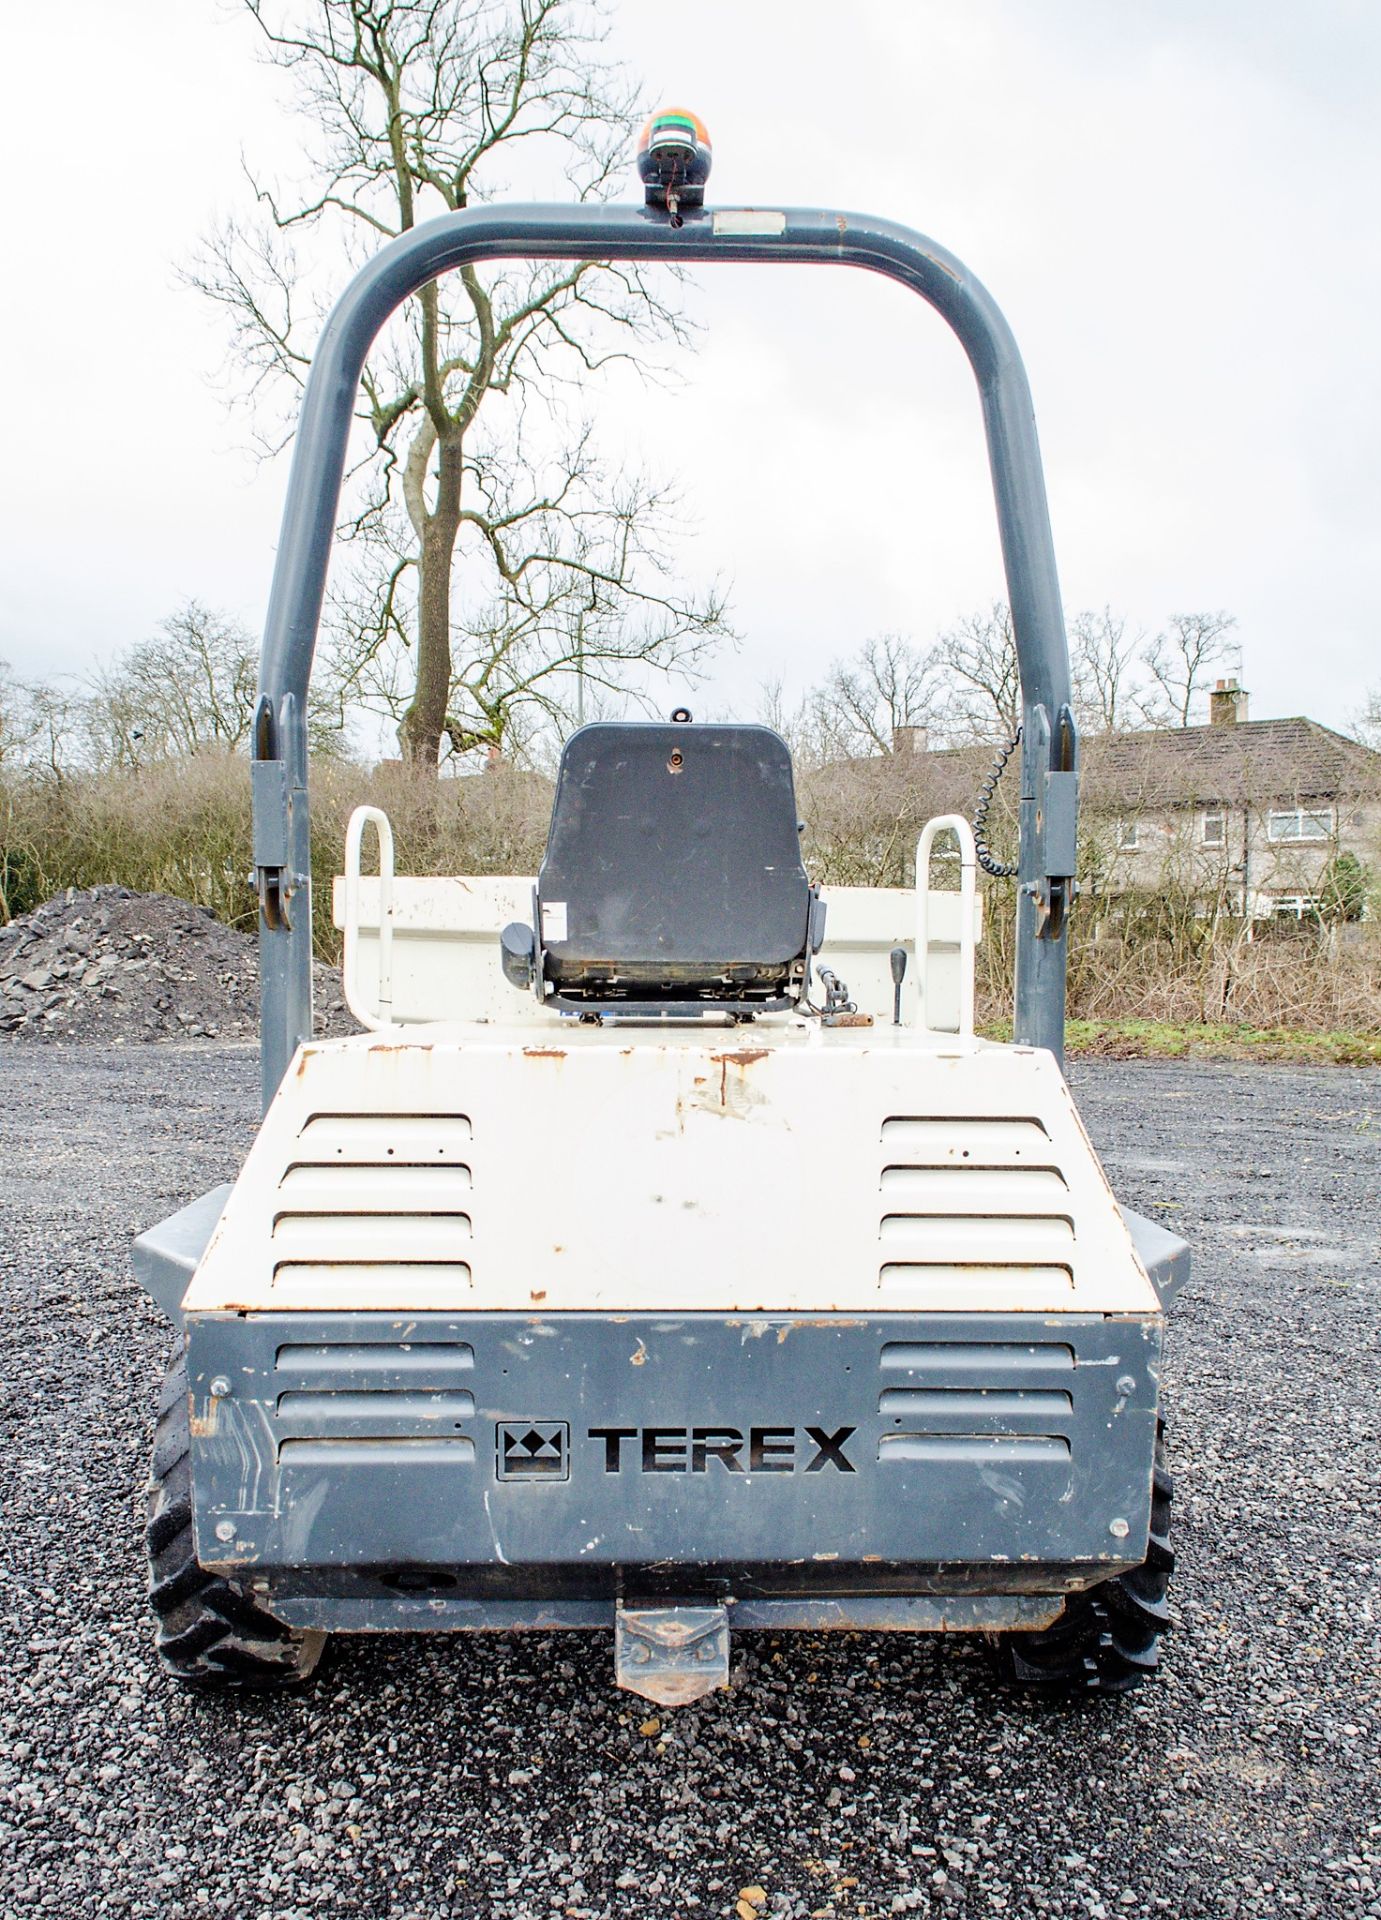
[
  {"x": 1106, "y": 1640},
  {"x": 211, "y": 1633}
]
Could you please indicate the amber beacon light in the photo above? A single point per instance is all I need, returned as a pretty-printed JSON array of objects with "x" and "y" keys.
[{"x": 674, "y": 160}]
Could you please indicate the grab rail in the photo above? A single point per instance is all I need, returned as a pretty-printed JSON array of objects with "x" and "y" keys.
[
  {"x": 382, "y": 1015},
  {"x": 956, "y": 824}
]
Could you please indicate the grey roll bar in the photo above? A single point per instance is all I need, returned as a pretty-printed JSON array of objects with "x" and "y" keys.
[{"x": 282, "y": 842}]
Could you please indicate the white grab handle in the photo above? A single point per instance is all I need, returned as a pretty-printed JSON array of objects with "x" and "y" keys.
[
  {"x": 382, "y": 1016},
  {"x": 956, "y": 824}
]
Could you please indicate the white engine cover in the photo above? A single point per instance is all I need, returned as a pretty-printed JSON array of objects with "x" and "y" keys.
[{"x": 782, "y": 1167}]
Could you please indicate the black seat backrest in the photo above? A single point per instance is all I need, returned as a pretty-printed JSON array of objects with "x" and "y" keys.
[{"x": 673, "y": 866}]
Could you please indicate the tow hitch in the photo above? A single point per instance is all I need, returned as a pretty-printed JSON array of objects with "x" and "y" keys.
[{"x": 672, "y": 1655}]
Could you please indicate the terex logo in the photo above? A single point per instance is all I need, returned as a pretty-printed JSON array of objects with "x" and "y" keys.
[{"x": 691, "y": 1449}]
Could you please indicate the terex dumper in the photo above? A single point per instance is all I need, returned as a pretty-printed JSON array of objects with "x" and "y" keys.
[{"x": 668, "y": 1254}]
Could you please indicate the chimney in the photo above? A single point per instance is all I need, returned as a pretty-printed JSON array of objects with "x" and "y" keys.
[
  {"x": 911, "y": 739},
  {"x": 1227, "y": 704}
]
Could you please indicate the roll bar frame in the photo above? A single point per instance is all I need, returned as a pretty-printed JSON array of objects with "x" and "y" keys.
[{"x": 812, "y": 236}]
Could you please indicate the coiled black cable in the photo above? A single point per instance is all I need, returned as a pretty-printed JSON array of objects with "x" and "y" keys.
[{"x": 999, "y": 869}]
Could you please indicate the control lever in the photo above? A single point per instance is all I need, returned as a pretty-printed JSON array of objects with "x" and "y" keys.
[{"x": 898, "y": 961}]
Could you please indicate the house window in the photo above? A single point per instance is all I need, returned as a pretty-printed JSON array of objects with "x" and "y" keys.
[
  {"x": 1300, "y": 823},
  {"x": 1127, "y": 841},
  {"x": 1295, "y": 906},
  {"x": 1214, "y": 830}
]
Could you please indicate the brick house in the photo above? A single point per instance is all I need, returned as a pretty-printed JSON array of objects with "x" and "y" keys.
[
  {"x": 1250, "y": 815},
  {"x": 1247, "y": 817}
]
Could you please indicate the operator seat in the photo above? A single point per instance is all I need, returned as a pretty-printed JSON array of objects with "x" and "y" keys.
[{"x": 672, "y": 878}]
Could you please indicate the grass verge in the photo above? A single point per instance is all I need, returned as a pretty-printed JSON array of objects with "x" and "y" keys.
[{"x": 1166, "y": 1040}]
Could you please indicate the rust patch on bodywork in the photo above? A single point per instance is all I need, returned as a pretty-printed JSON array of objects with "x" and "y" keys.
[
  {"x": 731, "y": 1096},
  {"x": 544, "y": 1053}
]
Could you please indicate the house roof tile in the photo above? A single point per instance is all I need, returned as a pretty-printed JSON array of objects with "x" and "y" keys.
[
  {"x": 1292, "y": 760},
  {"x": 1260, "y": 760}
]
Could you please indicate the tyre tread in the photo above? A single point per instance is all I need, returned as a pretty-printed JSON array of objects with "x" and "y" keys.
[
  {"x": 211, "y": 1633},
  {"x": 1107, "y": 1639}
]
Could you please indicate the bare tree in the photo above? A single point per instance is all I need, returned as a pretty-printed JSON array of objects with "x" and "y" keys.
[
  {"x": 1181, "y": 662},
  {"x": 41, "y": 724},
  {"x": 14, "y": 717},
  {"x": 1366, "y": 721},
  {"x": 190, "y": 686},
  {"x": 1104, "y": 659},
  {"x": 188, "y": 690},
  {"x": 979, "y": 658},
  {"x": 414, "y": 106},
  {"x": 865, "y": 705},
  {"x": 580, "y": 612}
]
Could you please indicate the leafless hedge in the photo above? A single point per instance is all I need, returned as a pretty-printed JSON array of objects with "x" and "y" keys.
[
  {"x": 1317, "y": 978},
  {"x": 184, "y": 828}
]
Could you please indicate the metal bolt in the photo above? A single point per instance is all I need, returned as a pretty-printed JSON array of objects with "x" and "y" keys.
[
  {"x": 220, "y": 1387},
  {"x": 1119, "y": 1529},
  {"x": 225, "y": 1529},
  {"x": 1126, "y": 1385}
]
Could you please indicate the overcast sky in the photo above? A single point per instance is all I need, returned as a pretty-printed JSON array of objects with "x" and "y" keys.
[{"x": 1176, "y": 203}]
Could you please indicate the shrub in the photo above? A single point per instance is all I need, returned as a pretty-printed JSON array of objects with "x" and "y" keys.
[{"x": 184, "y": 827}]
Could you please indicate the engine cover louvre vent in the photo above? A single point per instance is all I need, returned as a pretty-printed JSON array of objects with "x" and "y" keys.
[
  {"x": 324, "y": 1188},
  {"x": 359, "y": 1138},
  {"x": 985, "y": 1405},
  {"x": 931, "y": 1141},
  {"x": 411, "y": 1363},
  {"x": 399, "y": 1237},
  {"x": 978, "y": 1409},
  {"x": 974, "y": 1205},
  {"x": 366, "y": 1403},
  {"x": 975, "y": 1449},
  {"x": 377, "y": 1414},
  {"x": 419, "y": 1450},
  {"x": 375, "y": 1201},
  {"x": 996, "y": 1190},
  {"x": 945, "y": 1363}
]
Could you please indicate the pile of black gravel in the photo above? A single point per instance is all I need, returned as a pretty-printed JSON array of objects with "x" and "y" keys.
[{"x": 108, "y": 965}]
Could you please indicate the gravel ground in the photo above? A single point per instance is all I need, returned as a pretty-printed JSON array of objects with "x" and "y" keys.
[{"x": 489, "y": 1777}]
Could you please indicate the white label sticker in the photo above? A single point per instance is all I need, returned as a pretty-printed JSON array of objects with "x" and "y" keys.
[
  {"x": 748, "y": 220},
  {"x": 553, "y": 921}
]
